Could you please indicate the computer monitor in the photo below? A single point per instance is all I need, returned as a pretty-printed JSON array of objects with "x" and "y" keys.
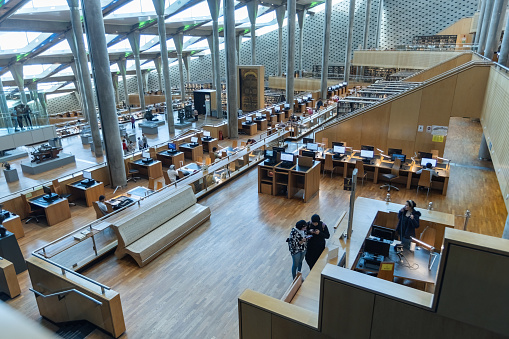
[
  {"x": 47, "y": 190},
  {"x": 395, "y": 151},
  {"x": 288, "y": 157},
  {"x": 87, "y": 175},
  {"x": 312, "y": 146},
  {"x": 309, "y": 154},
  {"x": 269, "y": 155},
  {"x": 367, "y": 148},
  {"x": 276, "y": 109},
  {"x": 206, "y": 133},
  {"x": 194, "y": 140},
  {"x": 299, "y": 101},
  {"x": 337, "y": 143},
  {"x": 383, "y": 233},
  {"x": 339, "y": 149},
  {"x": 425, "y": 161},
  {"x": 377, "y": 247},
  {"x": 367, "y": 154},
  {"x": 249, "y": 119},
  {"x": 145, "y": 155},
  {"x": 278, "y": 149},
  {"x": 172, "y": 146},
  {"x": 395, "y": 156},
  {"x": 425, "y": 155},
  {"x": 287, "y": 105},
  {"x": 308, "y": 140}
]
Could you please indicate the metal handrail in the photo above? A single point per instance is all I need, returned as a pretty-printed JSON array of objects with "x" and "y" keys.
[
  {"x": 66, "y": 292},
  {"x": 65, "y": 269}
]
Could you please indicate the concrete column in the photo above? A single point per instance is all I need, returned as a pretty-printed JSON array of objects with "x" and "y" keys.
[
  {"x": 484, "y": 151},
  {"x": 252, "y": 11},
  {"x": 96, "y": 36},
  {"x": 505, "y": 234},
  {"x": 504, "y": 48},
  {"x": 44, "y": 104},
  {"x": 238, "y": 44},
  {"x": 499, "y": 9},
  {"x": 379, "y": 25},
  {"x": 159, "y": 7},
  {"x": 485, "y": 26},
  {"x": 214, "y": 13},
  {"x": 479, "y": 22},
  {"x": 3, "y": 100},
  {"x": 157, "y": 63},
  {"x": 325, "y": 52},
  {"x": 280, "y": 16},
  {"x": 17, "y": 74},
  {"x": 187, "y": 63},
  {"x": 366, "y": 32},
  {"x": 78, "y": 84},
  {"x": 178, "y": 39},
  {"x": 114, "y": 79},
  {"x": 301, "y": 15},
  {"x": 290, "y": 66},
  {"x": 349, "y": 38},
  {"x": 210, "y": 41},
  {"x": 80, "y": 55},
  {"x": 144, "y": 76},
  {"x": 231, "y": 68},
  {"x": 134, "y": 41},
  {"x": 122, "y": 67}
]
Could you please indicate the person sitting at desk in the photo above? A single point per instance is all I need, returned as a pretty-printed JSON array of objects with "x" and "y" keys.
[
  {"x": 408, "y": 222},
  {"x": 102, "y": 205},
  {"x": 316, "y": 244},
  {"x": 429, "y": 167},
  {"x": 172, "y": 174},
  {"x": 250, "y": 142},
  {"x": 217, "y": 153},
  {"x": 319, "y": 104}
]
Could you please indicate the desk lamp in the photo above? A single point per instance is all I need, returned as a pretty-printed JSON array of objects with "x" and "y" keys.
[
  {"x": 382, "y": 153},
  {"x": 431, "y": 249},
  {"x": 448, "y": 162}
]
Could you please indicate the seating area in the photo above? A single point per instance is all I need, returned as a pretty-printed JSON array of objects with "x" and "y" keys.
[{"x": 146, "y": 233}]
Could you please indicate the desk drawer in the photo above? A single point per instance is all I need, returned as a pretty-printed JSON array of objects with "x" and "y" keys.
[{"x": 266, "y": 188}]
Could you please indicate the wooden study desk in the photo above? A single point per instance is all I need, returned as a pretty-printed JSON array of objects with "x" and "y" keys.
[
  {"x": 249, "y": 128},
  {"x": 273, "y": 120},
  {"x": 290, "y": 182},
  {"x": 89, "y": 193},
  {"x": 13, "y": 224},
  {"x": 280, "y": 116},
  {"x": 56, "y": 211},
  {"x": 153, "y": 169},
  {"x": 170, "y": 158},
  {"x": 119, "y": 201},
  {"x": 208, "y": 144},
  {"x": 191, "y": 151},
  {"x": 8, "y": 280},
  {"x": 261, "y": 125}
]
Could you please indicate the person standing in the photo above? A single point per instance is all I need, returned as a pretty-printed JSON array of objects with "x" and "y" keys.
[
  {"x": 316, "y": 244},
  {"x": 124, "y": 146},
  {"x": 172, "y": 174},
  {"x": 133, "y": 120},
  {"x": 408, "y": 222},
  {"x": 140, "y": 143},
  {"x": 195, "y": 115},
  {"x": 297, "y": 243},
  {"x": 145, "y": 140}
]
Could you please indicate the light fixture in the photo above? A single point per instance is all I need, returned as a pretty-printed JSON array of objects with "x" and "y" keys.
[{"x": 430, "y": 248}]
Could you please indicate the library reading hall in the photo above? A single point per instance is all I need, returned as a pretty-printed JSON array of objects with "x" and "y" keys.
[{"x": 254, "y": 169}]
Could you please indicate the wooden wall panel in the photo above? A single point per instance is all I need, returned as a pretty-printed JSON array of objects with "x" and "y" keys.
[
  {"x": 441, "y": 68},
  {"x": 470, "y": 91},
  {"x": 375, "y": 127},
  {"x": 401, "y": 59},
  {"x": 404, "y": 117},
  {"x": 351, "y": 133}
]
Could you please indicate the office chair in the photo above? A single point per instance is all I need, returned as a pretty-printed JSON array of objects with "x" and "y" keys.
[
  {"x": 151, "y": 183},
  {"x": 58, "y": 190},
  {"x": 234, "y": 144},
  {"x": 98, "y": 213},
  {"x": 328, "y": 165},
  {"x": 166, "y": 178},
  {"x": 132, "y": 173},
  {"x": 393, "y": 175},
  {"x": 424, "y": 181},
  {"x": 32, "y": 214},
  {"x": 360, "y": 171}
]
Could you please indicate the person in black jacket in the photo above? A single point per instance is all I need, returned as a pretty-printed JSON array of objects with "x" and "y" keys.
[
  {"x": 316, "y": 244},
  {"x": 408, "y": 221}
]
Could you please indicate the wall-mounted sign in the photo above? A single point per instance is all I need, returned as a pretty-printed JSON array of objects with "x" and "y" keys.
[
  {"x": 439, "y": 130},
  {"x": 438, "y": 138}
]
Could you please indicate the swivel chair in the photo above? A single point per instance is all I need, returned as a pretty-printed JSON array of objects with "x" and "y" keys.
[
  {"x": 360, "y": 171},
  {"x": 132, "y": 173},
  {"x": 58, "y": 190},
  {"x": 328, "y": 165},
  {"x": 393, "y": 175},
  {"x": 32, "y": 214}
]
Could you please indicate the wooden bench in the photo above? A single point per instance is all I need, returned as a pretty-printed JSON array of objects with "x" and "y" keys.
[{"x": 149, "y": 231}]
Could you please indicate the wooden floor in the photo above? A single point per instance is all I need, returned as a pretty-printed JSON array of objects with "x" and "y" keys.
[{"x": 191, "y": 290}]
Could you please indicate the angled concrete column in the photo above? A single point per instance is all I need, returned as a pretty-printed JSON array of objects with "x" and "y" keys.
[
  {"x": 214, "y": 14},
  {"x": 366, "y": 30},
  {"x": 3, "y": 100},
  {"x": 290, "y": 64},
  {"x": 144, "y": 76},
  {"x": 114, "y": 79},
  {"x": 32, "y": 89},
  {"x": 484, "y": 151},
  {"x": 280, "y": 16},
  {"x": 17, "y": 74},
  {"x": 238, "y": 44},
  {"x": 210, "y": 41},
  {"x": 178, "y": 39},
  {"x": 78, "y": 84},
  {"x": 96, "y": 36},
  {"x": 348, "y": 56},
  {"x": 505, "y": 234},
  {"x": 134, "y": 41},
  {"x": 301, "y": 15},
  {"x": 252, "y": 11},
  {"x": 80, "y": 54},
  {"x": 485, "y": 26},
  {"x": 503, "y": 58},
  {"x": 479, "y": 21},
  {"x": 496, "y": 24},
  {"x": 231, "y": 68},
  {"x": 157, "y": 63},
  {"x": 43, "y": 102},
  {"x": 187, "y": 63},
  {"x": 159, "y": 7},
  {"x": 326, "y": 47},
  {"x": 123, "y": 72},
  {"x": 379, "y": 24}
]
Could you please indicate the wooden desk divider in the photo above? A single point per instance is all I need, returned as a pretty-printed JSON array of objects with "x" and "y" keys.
[{"x": 8, "y": 279}]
